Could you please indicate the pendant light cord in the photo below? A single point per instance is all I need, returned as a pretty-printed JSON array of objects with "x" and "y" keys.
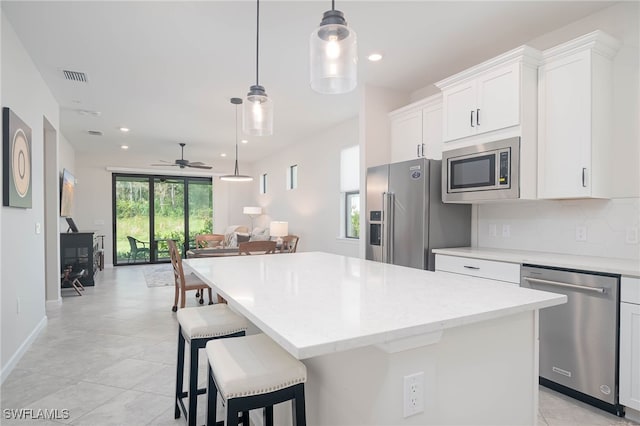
[
  {"x": 236, "y": 172},
  {"x": 257, "y": 37},
  {"x": 333, "y": 4}
]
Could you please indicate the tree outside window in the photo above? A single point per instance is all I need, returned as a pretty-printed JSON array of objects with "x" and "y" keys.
[{"x": 352, "y": 203}]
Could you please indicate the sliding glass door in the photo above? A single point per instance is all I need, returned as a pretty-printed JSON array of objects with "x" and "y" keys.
[{"x": 150, "y": 210}]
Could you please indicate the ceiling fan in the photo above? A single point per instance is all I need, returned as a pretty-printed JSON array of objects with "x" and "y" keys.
[{"x": 182, "y": 163}]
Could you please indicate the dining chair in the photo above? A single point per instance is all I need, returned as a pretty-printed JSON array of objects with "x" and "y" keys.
[
  {"x": 182, "y": 285},
  {"x": 289, "y": 244},
  {"x": 209, "y": 240},
  {"x": 135, "y": 250},
  {"x": 257, "y": 247}
]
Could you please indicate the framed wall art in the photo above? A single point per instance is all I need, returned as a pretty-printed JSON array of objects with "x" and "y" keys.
[{"x": 16, "y": 167}]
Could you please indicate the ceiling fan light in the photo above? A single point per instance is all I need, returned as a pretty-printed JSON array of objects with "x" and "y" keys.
[{"x": 333, "y": 55}]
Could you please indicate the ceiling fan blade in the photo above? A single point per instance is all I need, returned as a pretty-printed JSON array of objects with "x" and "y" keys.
[
  {"x": 165, "y": 164},
  {"x": 196, "y": 166},
  {"x": 197, "y": 163}
]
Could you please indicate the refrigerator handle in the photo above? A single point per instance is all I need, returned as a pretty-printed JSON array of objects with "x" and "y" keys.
[
  {"x": 391, "y": 203},
  {"x": 383, "y": 237}
]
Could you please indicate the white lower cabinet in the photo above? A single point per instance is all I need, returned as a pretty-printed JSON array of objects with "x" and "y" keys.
[
  {"x": 490, "y": 269},
  {"x": 630, "y": 343}
]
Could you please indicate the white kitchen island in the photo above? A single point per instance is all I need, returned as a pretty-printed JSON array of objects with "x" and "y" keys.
[{"x": 360, "y": 327}]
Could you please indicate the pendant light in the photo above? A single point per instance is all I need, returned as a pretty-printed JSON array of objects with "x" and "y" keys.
[
  {"x": 257, "y": 119},
  {"x": 334, "y": 55},
  {"x": 236, "y": 176}
]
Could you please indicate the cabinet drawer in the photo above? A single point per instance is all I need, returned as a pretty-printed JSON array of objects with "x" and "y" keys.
[
  {"x": 630, "y": 290},
  {"x": 502, "y": 271}
]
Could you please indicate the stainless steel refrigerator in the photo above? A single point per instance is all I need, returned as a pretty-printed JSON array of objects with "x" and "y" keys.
[{"x": 406, "y": 217}]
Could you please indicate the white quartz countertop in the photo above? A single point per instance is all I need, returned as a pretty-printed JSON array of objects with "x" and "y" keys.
[
  {"x": 587, "y": 263},
  {"x": 318, "y": 303}
]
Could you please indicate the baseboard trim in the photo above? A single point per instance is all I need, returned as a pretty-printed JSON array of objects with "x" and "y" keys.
[
  {"x": 8, "y": 368},
  {"x": 53, "y": 303}
]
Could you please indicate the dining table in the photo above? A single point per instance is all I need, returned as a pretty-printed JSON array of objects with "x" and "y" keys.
[
  {"x": 212, "y": 252},
  {"x": 373, "y": 334}
]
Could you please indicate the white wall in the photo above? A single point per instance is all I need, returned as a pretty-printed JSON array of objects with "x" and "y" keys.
[
  {"x": 313, "y": 209},
  {"x": 23, "y": 251},
  {"x": 93, "y": 209}
]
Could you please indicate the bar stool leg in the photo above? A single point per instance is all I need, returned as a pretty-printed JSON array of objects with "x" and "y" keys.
[
  {"x": 193, "y": 384},
  {"x": 212, "y": 397},
  {"x": 268, "y": 416},
  {"x": 232, "y": 413},
  {"x": 179, "y": 372},
  {"x": 298, "y": 408}
]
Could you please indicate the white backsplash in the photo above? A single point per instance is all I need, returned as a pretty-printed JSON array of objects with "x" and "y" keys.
[{"x": 550, "y": 226}]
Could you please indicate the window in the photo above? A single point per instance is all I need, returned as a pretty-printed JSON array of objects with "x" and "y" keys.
[
  {"x": 263, "y": 183},
  {"x": 352, "y": 216},
  {"x": 292, "y": 177},
  {"x": 350, "y": 191}
]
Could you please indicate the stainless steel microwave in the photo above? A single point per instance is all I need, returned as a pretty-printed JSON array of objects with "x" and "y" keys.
[{"x": 482, "y": 172}]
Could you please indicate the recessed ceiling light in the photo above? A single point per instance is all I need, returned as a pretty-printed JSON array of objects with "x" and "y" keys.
[
  {"x": 375, "y": 57},
  {"x": 223, "y": 155},
  {"x": 124, "y": 129},
  {"x": 124, "y": 146},
  {"x": 244, "y": 141}
]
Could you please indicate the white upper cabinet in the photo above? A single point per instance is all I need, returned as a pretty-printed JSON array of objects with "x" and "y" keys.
[
  {"x": 489, "y": 96},
  {"x": 574, "y": 119},
  {"x": 416, "y": 130}
]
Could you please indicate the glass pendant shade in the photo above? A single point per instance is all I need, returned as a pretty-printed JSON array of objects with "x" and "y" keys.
[
  {"x": 257, "y": 117},
  {"x": 333, "y": 55}
]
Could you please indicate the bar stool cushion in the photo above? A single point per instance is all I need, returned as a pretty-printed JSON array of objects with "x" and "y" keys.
[
  {"x": 252, "y": 365},
  {"x": 205, "y": 322}
]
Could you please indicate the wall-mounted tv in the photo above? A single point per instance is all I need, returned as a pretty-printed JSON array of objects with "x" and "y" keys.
[{"x": 67, "y": 188}]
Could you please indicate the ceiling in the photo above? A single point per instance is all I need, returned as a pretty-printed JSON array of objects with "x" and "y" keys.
[{"x": 166, "y": 70}]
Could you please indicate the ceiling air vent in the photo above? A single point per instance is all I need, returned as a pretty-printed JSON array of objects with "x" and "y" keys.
[
  {"x": 94, "y": 132},
  {"x": 75, "y": 76}
]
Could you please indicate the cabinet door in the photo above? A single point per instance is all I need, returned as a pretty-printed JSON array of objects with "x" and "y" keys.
[
  {"x": 406, "y": 136},
  {"x": 498, "y": 99},
  {"x": 564, "y": 132},
  {"x": 432, "y": 132},
  {"x": 459, "y": 104},
  {"x": 630, "y": 355}
]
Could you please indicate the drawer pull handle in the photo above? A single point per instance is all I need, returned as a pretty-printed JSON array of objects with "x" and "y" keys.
[{"x": 471, "y": 267}]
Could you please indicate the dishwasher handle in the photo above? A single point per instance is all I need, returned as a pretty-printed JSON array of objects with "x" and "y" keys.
[{"x": 565, "y": 285}]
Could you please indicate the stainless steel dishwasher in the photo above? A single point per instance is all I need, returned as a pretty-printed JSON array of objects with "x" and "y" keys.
[{"x": 579, "y": 340}]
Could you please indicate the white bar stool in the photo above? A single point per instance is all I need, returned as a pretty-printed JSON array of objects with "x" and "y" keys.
[
  {"x": 197, "y": 326},
  {"x": 254, "y": 372}
]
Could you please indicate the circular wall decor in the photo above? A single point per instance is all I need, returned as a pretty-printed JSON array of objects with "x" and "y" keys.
[{"x": 21, "y": 162}]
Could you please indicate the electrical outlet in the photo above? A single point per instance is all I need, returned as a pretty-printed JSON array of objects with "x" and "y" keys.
[
  {"x": 493, "y": 230},
  {"x": 37, "y": 227},
  {"x": 581, "y": 233},
  {"x": 506, "y": 231},
  {"x": 413, "y": 394},
  {"x": 631, "y": 236}
]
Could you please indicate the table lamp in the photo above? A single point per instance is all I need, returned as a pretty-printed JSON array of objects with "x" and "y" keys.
[
  {"x": 252, "y": 212},
  {"x": 279, "y": 230}
]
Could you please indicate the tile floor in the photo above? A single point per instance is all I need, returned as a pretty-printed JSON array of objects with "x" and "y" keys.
[{"x": 109, "y": 358}]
